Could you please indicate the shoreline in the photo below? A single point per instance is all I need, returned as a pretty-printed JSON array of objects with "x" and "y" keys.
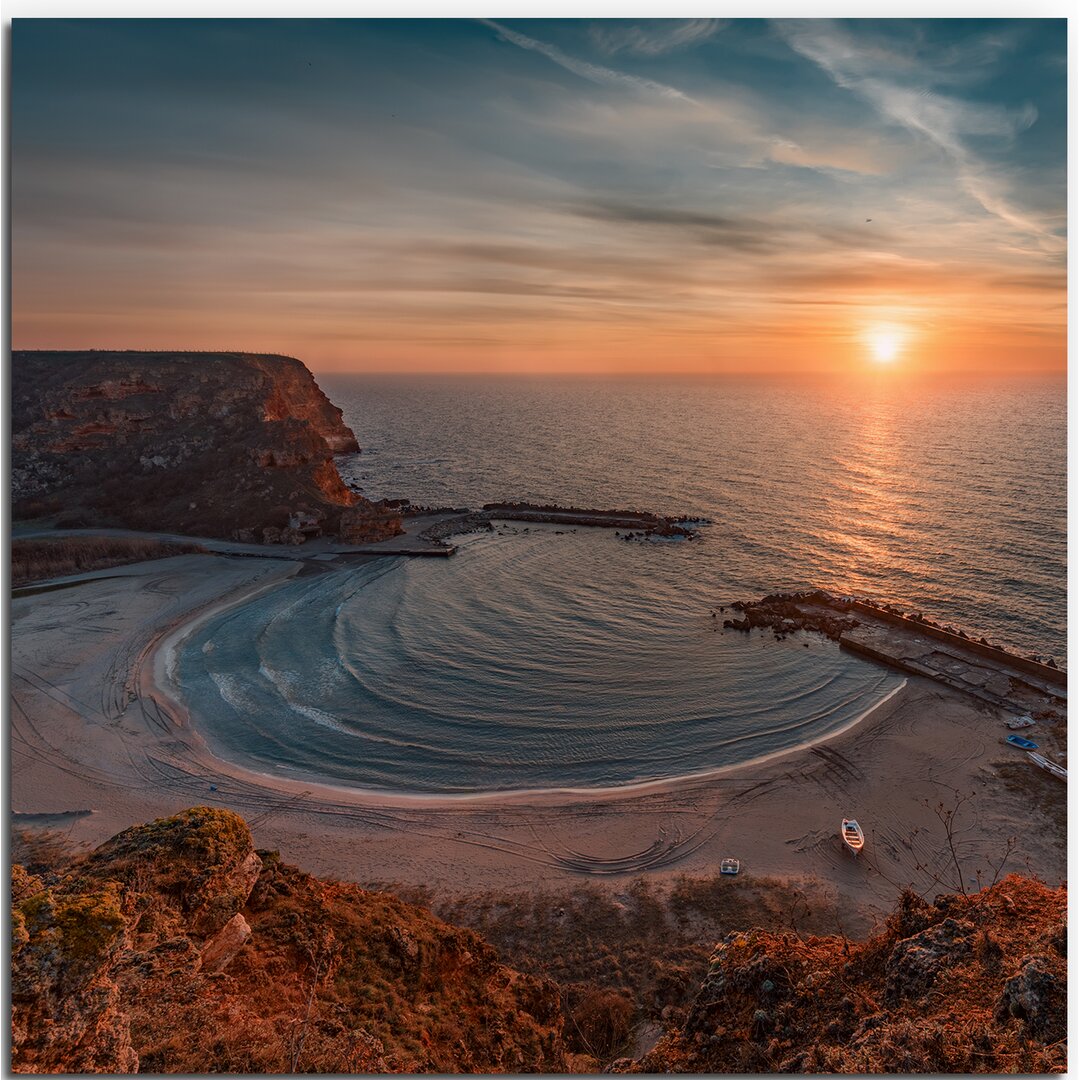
[
  {"x": 162, "y": 656},
  {"x": 162, "y": 684},
  {"x": 138, "y": 755}
]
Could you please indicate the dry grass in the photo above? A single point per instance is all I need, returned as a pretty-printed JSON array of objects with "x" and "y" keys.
[
  {"x": 339, "y": 979},
  {"x": 42, "y": 559},
  {"x": 333, "y": 979},
  {"x": 625, "y": 958},
  {"x": 929, "y": 993},
  {"x": 45, "y": 853}
]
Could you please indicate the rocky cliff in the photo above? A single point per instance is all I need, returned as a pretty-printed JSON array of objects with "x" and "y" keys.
[
  {"x": 176, "y": 947},
  {"x": 215, "y": 444},
  {"x": 968, "y": 984}
]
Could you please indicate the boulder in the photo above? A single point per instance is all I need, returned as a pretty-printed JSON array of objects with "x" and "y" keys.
[
  {"x": 915, "y": 963},
  {"x": 1036, "y": 995},
  {"x": 225, "y": 944},
  {"x": 200, "y": 865}
]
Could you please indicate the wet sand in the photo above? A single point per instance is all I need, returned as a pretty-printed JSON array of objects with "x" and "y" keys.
[{"x": 97, "y": 726}]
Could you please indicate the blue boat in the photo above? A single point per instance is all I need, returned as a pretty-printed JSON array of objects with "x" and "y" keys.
[{"x": 1024, "y": 744}]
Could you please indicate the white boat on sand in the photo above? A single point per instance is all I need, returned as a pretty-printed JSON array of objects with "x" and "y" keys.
[
  {"x": 1051, "y": 767},
  {"x": 1017, "y": 723},
  {"x": 852, "y": 835}
]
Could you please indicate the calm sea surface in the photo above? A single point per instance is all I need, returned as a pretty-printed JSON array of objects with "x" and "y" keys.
[{"x": 533, "y": 659}]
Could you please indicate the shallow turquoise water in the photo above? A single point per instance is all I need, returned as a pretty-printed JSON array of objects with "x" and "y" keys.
[{"x": 521, "y": 663}]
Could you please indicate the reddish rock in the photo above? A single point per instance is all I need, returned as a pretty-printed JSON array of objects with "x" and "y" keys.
[
  {"x": 367, "y": 523},
  {"x": 201, "y": 443},
  {"x": 228, "y": 941}
]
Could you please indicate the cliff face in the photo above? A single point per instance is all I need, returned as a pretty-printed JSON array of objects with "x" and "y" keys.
[
  {"x": 968, "y": 984},
  {"x": 175, "y": 947},
  {"x": 217, "y": 444}
]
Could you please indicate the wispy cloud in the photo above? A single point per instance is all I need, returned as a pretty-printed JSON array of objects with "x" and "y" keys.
[
  {"x": 944, "y": 121},
  {"x": 595, "y": 73},
  {"x": 706, "y": 228},
  {"x": 654, "y": 37},
  {"x": 481, "y": 198}
]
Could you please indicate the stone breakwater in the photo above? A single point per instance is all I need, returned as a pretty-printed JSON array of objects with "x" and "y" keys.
[
  {"x": 990, "y": 674},
  {"x": 834, "y": 616},
  {"x": 642, "y": 524}
]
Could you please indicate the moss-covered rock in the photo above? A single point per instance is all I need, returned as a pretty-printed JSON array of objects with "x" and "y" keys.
[
  {"x": 194, "y": 870},
  {"x": 66, "y": 1012},
  {"x": 117, "y": 967}
]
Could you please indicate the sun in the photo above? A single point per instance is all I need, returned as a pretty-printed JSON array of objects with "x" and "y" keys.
[
  {"x": 886, "y": 343},
  {"x": 885, "y": 346}
]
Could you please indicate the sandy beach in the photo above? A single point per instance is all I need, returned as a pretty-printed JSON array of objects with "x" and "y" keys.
[{"x": 100, "y": 741}]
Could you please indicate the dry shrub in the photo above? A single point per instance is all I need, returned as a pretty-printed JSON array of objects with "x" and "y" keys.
[
  {"x": 43, "y": 852},
  {"x": 601, "y": 1022},
  {"x": 646, "y": 941},
  {"x": 967, "y": 984},
  {"x": 41, "y": 559}
]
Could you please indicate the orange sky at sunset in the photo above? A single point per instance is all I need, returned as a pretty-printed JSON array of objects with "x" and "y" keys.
[{"x": 547, "y": 196}]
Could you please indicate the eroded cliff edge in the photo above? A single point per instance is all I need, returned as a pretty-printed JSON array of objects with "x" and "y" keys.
[{"x": 212, "y": 444}]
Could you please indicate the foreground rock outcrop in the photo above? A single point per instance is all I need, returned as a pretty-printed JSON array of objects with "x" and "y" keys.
[
  {"x": 176, "y": 947},
  {"x": 968, "y": 984},
  {"x": 212, "y": 444}
]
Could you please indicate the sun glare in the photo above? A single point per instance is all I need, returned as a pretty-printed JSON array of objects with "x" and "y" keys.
[{"x": 885, "y": 343}]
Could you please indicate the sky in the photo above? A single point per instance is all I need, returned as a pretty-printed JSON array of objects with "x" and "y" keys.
[{"x": 533, "y": 196}]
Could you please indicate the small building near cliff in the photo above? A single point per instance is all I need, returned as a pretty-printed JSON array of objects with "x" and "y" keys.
[{"x": 305, "y": 522}]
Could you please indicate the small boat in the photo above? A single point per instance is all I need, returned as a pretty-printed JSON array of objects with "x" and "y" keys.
[
  {"x": 1019, "y": 740},
  {"x": 1018, "y": 722},
  {"x": 1052, "y": 768},
  {"x": 852, "y": 835},
  {"x": 729, "y": 866}
]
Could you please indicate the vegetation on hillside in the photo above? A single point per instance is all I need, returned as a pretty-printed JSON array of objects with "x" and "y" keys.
[
  {"x": 627, "y": 962},
  {"x": 176, "y": 947},
  {"x": 45, "y": 558},
  {"x": 967, "y": 984}
]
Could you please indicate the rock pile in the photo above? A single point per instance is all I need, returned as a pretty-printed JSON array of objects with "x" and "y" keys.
[{"x": 784, "y": 613}]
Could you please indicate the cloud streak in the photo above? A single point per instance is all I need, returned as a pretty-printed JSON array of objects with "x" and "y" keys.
[
  {"x": 656, "y": 37},
  {"x": 594, "y": 73},
  {"x": 430, "y": 196},
  {"x": 943, "y": 121}
]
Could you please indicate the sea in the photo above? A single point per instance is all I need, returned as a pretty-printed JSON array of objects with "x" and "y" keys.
[{"x": 552, "y": 657}]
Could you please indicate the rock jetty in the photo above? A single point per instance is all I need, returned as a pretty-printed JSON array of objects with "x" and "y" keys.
[{"x": 649, "y": 524}]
